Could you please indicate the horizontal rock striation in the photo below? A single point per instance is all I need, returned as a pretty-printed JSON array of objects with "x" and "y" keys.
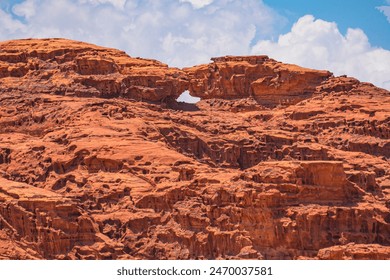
[
  {"x": 89, "y": 170},
  {"x": 267, "y": 81},
  {"x": 64, "y": 67}
]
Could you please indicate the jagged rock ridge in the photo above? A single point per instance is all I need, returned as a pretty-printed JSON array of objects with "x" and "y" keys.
[
  {"x": 73, "y": 68},
  {"x": 97, "y": 160},
  {"x": 267, "y": 81}
]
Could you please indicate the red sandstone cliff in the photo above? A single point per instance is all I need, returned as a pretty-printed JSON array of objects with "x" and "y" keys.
[
  {"x": 70, "y": 68},
  {"x": 276, "y": 161},
  {"x": 268, "y": 81}
]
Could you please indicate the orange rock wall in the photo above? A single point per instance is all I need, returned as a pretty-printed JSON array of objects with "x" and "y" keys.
[
  {"x": 97, "y": 160},
  {"x": 264, "y": 79},
  {"x": 74, "y": 68}
]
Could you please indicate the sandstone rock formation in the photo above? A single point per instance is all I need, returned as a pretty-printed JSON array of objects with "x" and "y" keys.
[
  {"x": 73, "y": 68},
  {"x": 266, "y": 80},
  {"x": 276, "y": 162}
]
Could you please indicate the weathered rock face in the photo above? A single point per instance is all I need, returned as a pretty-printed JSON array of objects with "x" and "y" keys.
[
  {"x": 66, "y": 67},
  {"x": 49, "y": 222},
  {"x": 266, "y": 80},
  {"x": 106, "y": 176},
  {"x": 354, "y": 251}
]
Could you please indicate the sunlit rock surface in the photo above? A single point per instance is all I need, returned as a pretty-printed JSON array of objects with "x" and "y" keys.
[{"x": 98, "y": 161}]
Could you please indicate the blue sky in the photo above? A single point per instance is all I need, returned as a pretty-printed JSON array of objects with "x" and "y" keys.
[
  {"x": 343, "y": 36},
  {"x": 361, "y": 14}
]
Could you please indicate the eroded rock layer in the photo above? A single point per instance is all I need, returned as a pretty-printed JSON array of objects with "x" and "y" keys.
[
  {"x": 268, "y": 81},
  {"x": 72, "y": 68},
  {"x": 92, "y": 174}
]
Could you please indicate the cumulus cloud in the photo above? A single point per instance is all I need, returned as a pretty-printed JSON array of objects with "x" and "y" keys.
[
  {"x": 178, "y": 32},
  {"x": 198, "y": 3},
  {"x": 115, "y": 3},
  {"x": 320, "y": 44},
  {"x": 8, "y": 25},
  {"x": 386, "y": 11}
]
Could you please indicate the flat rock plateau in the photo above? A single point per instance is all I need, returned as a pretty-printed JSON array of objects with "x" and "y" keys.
[{"x": 99, "y": 161}]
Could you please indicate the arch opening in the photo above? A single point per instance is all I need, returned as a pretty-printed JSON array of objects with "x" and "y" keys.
[{"x": 187, "y": 98}]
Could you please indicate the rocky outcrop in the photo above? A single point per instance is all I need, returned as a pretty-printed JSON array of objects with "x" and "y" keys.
[
  {"x": 354, "y": 251},
  {"x": 267, "y": 81},
  {"x": 52, "y": 224},
  {"x": 66, "y": 67},
  {"x": 87, "y": 175}
]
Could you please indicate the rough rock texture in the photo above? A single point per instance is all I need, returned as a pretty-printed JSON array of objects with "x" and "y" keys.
[
  {"x": 73, "y": 68},
  {"x": 92, "y": 174},
  {"x": 268, "y": 81}
]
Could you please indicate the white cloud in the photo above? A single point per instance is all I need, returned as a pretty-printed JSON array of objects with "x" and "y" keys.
[
  {"x": 319, "y": 44},
  {"x": 198, "y": 3},
  {"x": 25, "y": 9},
  {"x": 8, "y": 25},
  {"x": 186, "y": 97},
  {"x": 177, "y": 32},
  {"x": 386, "y": 11},
  {"x": 115, "y": 3}
]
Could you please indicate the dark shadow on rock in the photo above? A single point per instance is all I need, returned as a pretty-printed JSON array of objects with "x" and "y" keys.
[{"x": 182, "y": 106}]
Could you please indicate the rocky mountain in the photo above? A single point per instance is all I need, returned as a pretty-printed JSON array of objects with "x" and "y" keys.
[{"x": 99, "y": 161}]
